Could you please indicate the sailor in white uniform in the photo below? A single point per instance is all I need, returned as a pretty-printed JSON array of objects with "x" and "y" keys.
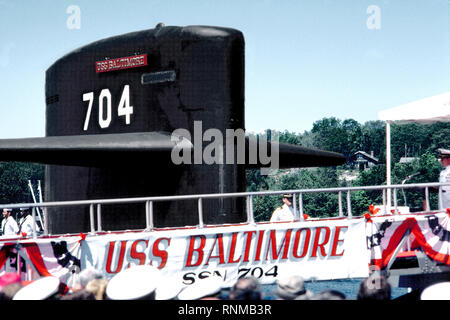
[
  {"x": 445, "y": 177},
  {"x": 9, "y": 225},
  {"x": 26, "y": 222},
  {"x": 285, "y": 212}
]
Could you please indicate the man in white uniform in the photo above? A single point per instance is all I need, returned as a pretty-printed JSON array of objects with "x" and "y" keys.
[
  {"x": 285, "y": 212},
  {"x": 26, "y": 222},
  {"x": 445, "y": 177},
  {"x": 9, "y": 225}
]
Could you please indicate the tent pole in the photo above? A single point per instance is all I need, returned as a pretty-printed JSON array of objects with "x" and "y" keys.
[{"x": 388, "y": 164}]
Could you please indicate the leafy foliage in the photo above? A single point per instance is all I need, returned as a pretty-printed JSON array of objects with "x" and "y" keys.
[
  {"x": 14, "y": 178},
  {"x": 314, "y": 204},
  {"x": 347, "y": 137}
]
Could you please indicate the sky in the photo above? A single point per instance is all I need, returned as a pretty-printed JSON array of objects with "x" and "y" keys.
[{"x": 304, "y": 59}]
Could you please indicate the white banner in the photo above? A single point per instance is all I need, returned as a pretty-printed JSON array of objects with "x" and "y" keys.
[{"x": 321, "y": 250}]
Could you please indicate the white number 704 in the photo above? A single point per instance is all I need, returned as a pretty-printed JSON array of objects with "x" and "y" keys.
[{"x": 124, "y": 108}]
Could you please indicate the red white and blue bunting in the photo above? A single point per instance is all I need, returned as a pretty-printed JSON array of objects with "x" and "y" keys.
[{"x": 428, "y": 232}]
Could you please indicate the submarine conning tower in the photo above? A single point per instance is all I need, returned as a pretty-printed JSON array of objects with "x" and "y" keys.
[{"x": 180, "y": 75}]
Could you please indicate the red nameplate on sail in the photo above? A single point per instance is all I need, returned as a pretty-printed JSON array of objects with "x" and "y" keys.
[{"x": 121, "y": 63}]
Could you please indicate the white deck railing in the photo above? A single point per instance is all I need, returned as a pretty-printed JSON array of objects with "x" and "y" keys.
[{"x": 96, "y": 205}]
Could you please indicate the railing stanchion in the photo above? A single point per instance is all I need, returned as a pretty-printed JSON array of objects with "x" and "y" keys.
[
  {"x": 349, "y": 205},
  {"x": 149, "y": 215},
  {"x": 99, "y": 217},
  {"x": 395, "y": 201},
  {"x": 300, "y": 206},
  {"x": 33, "y": 214},
  {"x": 91, "y": 217},
  {"x": 44, "y": 224},
  {"x": 150, "y": 211},
  {"x": 427, "y": 199},
  {"x": 200, "y": 213},
  {"x": 250, "y": 215},
  {"x": 294, "y": 204},
  {"x": 341, "y": 213}
]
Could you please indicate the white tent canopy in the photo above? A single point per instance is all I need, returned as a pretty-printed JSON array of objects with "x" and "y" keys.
[{"x": 428, "y": 110}]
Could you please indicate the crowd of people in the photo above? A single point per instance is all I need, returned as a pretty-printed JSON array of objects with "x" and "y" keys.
[{"x": 146, "y": 283}]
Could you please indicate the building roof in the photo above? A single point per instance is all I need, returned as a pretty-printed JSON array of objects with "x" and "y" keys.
[
  {"x": 407, "y": 159},
  {"x": 364, "y": 155}
]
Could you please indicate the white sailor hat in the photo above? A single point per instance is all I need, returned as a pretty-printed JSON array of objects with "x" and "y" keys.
[
  {"x": 291, "y": 287},
  {"x": 202, "y": 288},
  {"x": 438, "y": 291},
  {"x": 24, "y": 208},
  {"x": 444, "y": 153},
  {"x": 168, "y": 289},
  {"x": 136, "y": 282},
  {"x": 40, "y": 289},
  {"x": 7, "y": 209}
]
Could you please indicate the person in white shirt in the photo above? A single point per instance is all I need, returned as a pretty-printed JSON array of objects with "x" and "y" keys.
[
  {"x": 26, "y": 222},
  {"x": 444, "y": 176},
  {"x": 9, "y": 225},
  {"x": 285, "y": 212}
]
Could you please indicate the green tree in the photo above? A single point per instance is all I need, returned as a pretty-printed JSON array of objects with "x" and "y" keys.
[
  {"x": 340, "y": 136},
  {"x": 329, "y": 135},
  {"x": 427, "y": 168},
  {"x": 361, "y": 200},
  {"x": 263, "y": 206},
  {"x": 14, "y": 178},
  {"x": 373, "y": 138},
  {"x": 320, "y": 204},
  {"x": 289, "y": 137},
  {"x": 353, "y": 133},
  {"x": 314, "y": 204},
  {"x": 438, "y": 137}
]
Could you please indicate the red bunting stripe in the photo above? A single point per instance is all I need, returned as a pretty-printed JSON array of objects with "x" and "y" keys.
[
  {"x": 420, "y": 241},
  {"x": 36, "y": 258}
]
